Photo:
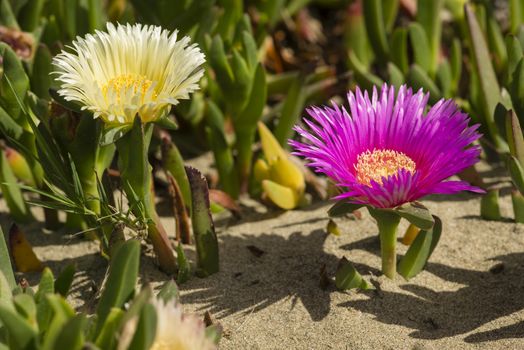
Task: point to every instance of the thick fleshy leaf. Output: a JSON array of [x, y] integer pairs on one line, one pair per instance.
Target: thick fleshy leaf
[[417, 214], [517, 200], [445, 79], [282, 196], [489, 86], [222, 152], [203, 227], [516, 172], [332, 228], [270, 146], [342, 208], [395, 75], [517, 88], [455, 59], [399, 49], [421, 48], [8, 126], [113, 134], [284, 172], [62, 313], [5, 263], [41, 78], [146, 328], [21, 334], [119, 286], [24, 258], [173, 162], [489, 205], [410, 235], [291, 110], [166, 122], [106, 338], [14, 82], [375, 27], [65, 279], [184, 267], [420, 251], [168, 292], [516, 14], [496, 42], [12, 193], [72, 334], [363, 76], [515, 137], [419, 79], [347, 277], [428, 15], [514, 50], [183, 226]]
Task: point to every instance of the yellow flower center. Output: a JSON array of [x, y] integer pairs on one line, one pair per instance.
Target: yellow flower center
[[123, 83], [379, 163]]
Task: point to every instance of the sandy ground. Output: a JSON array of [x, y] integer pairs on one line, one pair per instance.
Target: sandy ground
[[470, 297]]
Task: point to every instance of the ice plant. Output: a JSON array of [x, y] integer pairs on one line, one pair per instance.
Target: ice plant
[[176, 330], [387, 152], [129, 70], [173, 330], [129, 77]]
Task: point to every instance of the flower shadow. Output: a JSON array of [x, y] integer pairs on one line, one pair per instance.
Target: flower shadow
[[279, 268], [483, 297]]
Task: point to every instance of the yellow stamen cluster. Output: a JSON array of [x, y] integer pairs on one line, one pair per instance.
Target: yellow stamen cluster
[[119, 85], [379, 163]]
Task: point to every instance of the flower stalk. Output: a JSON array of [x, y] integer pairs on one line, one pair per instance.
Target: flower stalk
[[135, 172], [387, 222]]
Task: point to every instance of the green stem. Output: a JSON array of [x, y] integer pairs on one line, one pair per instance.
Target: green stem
[[387, 227], [244, 142], [135, 173]]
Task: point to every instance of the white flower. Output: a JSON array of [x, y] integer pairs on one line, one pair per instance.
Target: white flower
[[178, 331], [127, 70]]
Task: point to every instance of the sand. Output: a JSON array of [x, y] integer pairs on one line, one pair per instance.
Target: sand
[[268, 295]]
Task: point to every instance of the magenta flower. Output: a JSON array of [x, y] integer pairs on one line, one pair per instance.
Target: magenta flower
[[387, 151]]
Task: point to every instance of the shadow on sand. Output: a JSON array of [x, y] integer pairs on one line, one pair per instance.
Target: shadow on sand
[[484, 297]]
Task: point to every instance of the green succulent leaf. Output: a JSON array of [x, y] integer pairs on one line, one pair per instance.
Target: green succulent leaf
[[364, 78], [12, 193], [489, 205], [173, 162], [146, 329], [184, 267], [65, 279], [106, 338], [6, 268], [514, 136], [347, 277], [203, 228], [22, 335], [428, 15], [376, 28], [72, 334], [399, 49], [490, 94], [119, 286], [14, 82], [168, 292], [516, 172], [419, 79], [420, 250], [421, 47], [293, 106], [342, 208], [417, 214]]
